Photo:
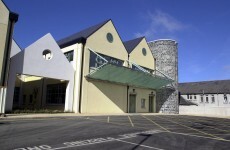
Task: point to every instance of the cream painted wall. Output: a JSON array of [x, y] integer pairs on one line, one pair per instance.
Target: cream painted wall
[[4, 18], [143, 94], [137, 57], [106, 98], [98, 42], [109, 97]]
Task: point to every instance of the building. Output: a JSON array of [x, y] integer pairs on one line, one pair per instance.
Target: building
[[207, 97], [7, 21], [165, 52], [92, 71]]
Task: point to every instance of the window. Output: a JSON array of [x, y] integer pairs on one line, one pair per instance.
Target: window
[[213, 99], [31, 99], [24, 100], [16, 95], [109, 37], [69, 55], [190, 96], [187, 96], [206, 99], [142, 103], [201, 98], [56, 93], [194, 96], [47, 55], [144, 52], [225, 99]]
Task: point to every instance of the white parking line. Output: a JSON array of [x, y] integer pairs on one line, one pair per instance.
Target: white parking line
[[131, 121], [72, 144], [139, 144]]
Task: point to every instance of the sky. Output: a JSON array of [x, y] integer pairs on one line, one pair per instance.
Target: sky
[[201, 27]]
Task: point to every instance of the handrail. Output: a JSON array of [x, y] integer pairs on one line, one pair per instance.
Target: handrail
[[164, 74], [98, 55], [106, 61], [139, 67]]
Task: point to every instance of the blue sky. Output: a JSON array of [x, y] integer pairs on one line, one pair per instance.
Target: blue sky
[[201, 27]]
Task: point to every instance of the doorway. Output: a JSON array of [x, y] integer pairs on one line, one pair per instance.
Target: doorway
[[132, 103], [151, 104]]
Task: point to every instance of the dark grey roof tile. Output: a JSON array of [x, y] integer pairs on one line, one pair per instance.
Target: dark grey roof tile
[[208, 87], [131, 44], [84, 34]]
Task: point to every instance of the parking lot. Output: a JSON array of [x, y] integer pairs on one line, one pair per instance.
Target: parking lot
[[116, 132]]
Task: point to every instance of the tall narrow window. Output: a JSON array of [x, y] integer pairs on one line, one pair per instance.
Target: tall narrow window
[[206, 99], [194, 96], [16, 95], [31, 99], [201, 98], [24, 100], [187, 96], [190, 96], [213, 99], [225, 99]]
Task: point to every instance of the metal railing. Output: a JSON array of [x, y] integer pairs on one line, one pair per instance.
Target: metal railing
[[106, 61]]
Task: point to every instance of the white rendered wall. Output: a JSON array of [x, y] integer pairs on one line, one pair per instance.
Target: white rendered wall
[[218, 108], [31, 62]]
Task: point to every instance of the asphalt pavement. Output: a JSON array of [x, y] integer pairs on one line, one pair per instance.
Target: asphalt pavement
[[128, 132]]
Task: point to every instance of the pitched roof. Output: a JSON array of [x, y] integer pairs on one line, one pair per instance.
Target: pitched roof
[[206, 87], [131, 44], [185, 102], [79, 36]]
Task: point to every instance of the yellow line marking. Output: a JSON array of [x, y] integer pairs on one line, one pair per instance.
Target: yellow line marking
[[217, 139], [202, 124], [207, 121], [156, 124], [131, 121], [192, 128], [108, 119]]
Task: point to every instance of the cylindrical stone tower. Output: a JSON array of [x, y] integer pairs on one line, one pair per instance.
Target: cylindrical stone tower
[[166, 55]]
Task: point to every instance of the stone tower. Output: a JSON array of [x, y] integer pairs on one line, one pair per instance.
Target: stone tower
[[166, 53]]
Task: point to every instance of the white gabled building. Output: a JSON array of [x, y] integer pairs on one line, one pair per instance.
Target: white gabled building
[[206, 97]]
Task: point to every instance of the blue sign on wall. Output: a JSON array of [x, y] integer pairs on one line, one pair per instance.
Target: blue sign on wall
[[96, 61]]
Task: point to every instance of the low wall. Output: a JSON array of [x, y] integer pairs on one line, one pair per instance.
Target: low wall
[[200, 110]]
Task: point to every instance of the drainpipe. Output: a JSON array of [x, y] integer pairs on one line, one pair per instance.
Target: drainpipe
[[83, 41], [13, 18]]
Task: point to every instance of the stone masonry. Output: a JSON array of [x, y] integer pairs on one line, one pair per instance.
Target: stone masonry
[[166, 54]]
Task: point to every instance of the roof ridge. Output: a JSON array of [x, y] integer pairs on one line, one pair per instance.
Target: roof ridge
[[205, 81], [131, 44], [78, 36]]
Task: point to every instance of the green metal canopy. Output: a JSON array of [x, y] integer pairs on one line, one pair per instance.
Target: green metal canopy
[[127, 76]]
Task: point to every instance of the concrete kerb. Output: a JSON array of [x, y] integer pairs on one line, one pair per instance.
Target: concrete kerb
[[62, 115]]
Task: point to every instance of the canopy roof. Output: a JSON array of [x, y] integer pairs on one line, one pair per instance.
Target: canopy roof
[[127, 76]]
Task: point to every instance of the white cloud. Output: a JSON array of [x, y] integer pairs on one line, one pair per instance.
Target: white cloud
[[161, 24], [226, 68]]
